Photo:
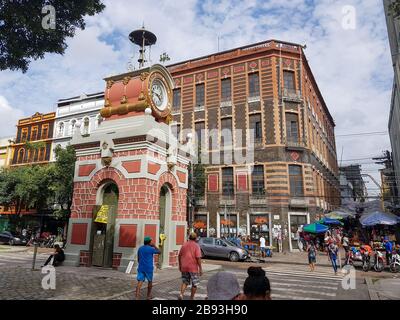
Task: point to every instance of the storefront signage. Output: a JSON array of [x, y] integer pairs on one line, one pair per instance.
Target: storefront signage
[[102, 215]]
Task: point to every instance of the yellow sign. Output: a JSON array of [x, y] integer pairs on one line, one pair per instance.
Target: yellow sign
[[102, 215]]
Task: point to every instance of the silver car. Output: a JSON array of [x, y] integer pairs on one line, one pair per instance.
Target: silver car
[[221, 248]]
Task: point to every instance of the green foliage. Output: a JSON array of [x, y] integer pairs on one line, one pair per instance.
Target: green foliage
[[40, 187], [35, 145], [22, 37], [394, 8]]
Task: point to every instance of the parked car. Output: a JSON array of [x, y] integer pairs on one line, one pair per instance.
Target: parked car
[[10, 238], [221, 248]]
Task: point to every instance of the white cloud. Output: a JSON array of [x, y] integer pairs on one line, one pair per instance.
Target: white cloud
[[8, 118], [352, 67]]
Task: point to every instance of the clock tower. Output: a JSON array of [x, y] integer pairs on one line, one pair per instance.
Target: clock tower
[[131, 173]]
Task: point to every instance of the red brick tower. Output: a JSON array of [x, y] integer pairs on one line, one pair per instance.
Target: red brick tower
[[130, 176]]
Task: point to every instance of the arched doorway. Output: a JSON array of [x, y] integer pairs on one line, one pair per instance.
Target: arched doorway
[[165, 216], [104, 225]]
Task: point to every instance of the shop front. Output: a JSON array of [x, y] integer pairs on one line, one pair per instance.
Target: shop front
[[200, 224], [259, 224], [227, 225], [296, 220]]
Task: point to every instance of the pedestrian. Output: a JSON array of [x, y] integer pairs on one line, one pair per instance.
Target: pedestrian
[[388, 248], [256, 286], [223, 286], [190, 265], [262, 246], [146, 266], [332, 254], [58, 256], [346, 243], [312, 255]]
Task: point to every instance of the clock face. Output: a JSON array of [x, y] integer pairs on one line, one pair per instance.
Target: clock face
[[159, 95]]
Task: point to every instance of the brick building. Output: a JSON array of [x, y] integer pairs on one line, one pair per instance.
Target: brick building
[[268, 92], [34, 140]]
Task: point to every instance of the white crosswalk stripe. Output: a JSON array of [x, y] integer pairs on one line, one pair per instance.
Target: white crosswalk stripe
[[286, 284]]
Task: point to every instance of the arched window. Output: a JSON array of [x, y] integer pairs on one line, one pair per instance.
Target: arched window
[[61, 129], [99, 120], [86, 124], [73, 127], [21, 155]]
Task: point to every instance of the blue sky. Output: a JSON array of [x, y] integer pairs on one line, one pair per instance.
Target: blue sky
[[352, 67]]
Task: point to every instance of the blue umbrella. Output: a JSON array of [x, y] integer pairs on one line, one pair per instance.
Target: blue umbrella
[[315, 228], [377, 217], [329, 221]]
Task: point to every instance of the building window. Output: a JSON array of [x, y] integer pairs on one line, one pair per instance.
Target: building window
[[24, 136], [200, 95], [289, 80], [255, 124], [176, 104], [42, 154], [176, 131], [73, 126], [254, 85], [34, 133], [45, 131], [226, 132], [257, 180], [30, 155], [226, 90], [21, 155], [61, 127], [200, 132], [227, 182], [292, 127], [86, 123], [296, 181]]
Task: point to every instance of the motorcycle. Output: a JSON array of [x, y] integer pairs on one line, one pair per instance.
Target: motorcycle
[[395, 263], [378, 261], [357, 258]]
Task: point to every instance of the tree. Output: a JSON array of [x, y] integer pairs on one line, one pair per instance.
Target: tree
[[63, 183], [23, 37], [394, 8]]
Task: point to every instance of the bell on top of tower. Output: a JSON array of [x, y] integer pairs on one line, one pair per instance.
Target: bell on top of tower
[[143, 38]]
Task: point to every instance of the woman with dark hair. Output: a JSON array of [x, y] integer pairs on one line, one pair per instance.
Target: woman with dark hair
[[256, 286]]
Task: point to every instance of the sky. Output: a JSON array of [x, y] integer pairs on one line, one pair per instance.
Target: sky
[[347, 49]]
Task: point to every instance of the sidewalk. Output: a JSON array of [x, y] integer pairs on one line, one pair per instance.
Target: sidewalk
[[384, 289], [299, 258]]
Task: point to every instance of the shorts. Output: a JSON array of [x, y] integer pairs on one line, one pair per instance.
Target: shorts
[[312, 259], [190, 277], [142, 276]]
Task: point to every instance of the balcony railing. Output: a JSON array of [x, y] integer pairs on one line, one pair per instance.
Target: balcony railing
[[253, 99], [256, 199], [299, 202], [199, 108], [200, 201], [227, 199], [176, 110], [226, 103], [296, 143], [291, 94]]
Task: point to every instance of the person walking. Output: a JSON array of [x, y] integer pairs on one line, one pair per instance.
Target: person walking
[[332, 254], [146, 266], [262, 246], [189, 259], [312, 255], [257, 285], [388, 248]]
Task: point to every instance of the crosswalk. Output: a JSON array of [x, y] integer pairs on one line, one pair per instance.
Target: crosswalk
[[21, 259], [286, 284]]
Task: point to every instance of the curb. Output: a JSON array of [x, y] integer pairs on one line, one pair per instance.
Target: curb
[[373, 295]]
